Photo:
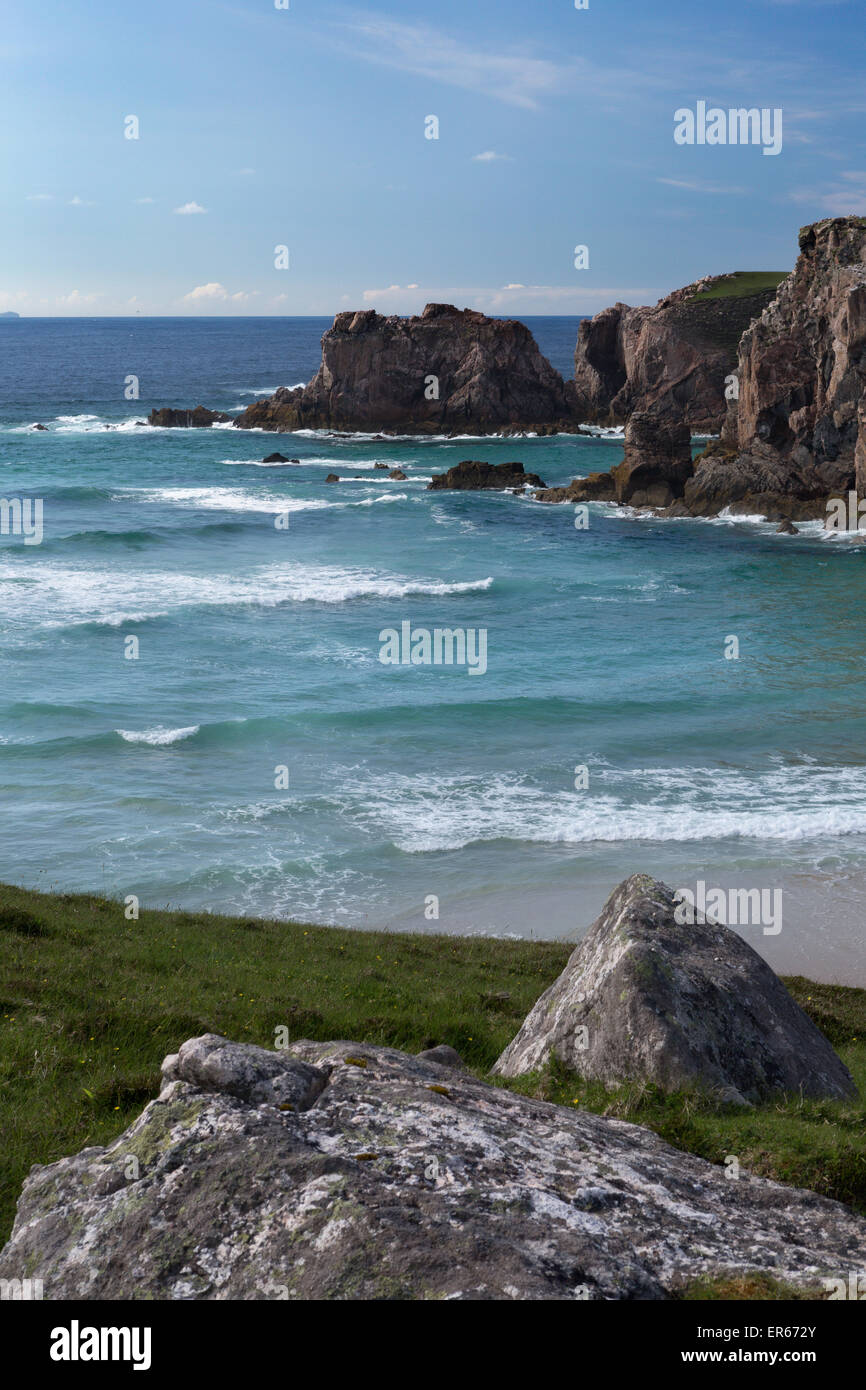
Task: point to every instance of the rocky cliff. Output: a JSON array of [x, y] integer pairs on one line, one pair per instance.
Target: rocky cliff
[[793, 433], [672, 358], [447, 371], [796, 435]]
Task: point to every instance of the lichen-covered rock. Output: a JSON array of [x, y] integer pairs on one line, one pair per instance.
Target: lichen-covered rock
[[446, 370], [644, 997], [403, 1179]]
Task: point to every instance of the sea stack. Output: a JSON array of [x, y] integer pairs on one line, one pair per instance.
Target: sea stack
[[445, 371]]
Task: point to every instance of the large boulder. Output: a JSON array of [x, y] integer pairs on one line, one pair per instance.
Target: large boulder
[[693, 1005], [444, 371], [672, 357], [347, 1171]]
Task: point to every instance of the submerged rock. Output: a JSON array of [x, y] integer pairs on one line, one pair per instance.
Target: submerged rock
[[470, 474], [692, 1005], [347, 1171]]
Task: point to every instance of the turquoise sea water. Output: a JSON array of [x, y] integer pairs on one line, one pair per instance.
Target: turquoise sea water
[[258, 649]]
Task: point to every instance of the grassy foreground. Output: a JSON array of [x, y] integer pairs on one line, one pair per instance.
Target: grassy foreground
[[90, 1003]]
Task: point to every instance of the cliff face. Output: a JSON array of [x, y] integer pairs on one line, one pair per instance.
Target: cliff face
[[445, 371], [672, 358], [798, 433]]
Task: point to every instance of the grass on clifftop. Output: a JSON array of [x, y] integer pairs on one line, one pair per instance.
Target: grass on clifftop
[[744, 282], [90, 1003]]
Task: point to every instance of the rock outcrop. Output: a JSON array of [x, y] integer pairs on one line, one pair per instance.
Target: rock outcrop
[[346, 1171], [798, 431], [447, 371], [653, 472], [646, 998], [473, 475], [671, 358], [198, 418]]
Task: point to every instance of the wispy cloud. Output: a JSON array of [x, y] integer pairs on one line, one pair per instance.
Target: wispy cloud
[[846, 197], [40, 197], [700, 186], [509, 75], [490, 157], [189, 209], [77, 202]]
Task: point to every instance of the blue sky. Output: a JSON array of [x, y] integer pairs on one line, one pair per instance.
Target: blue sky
[[305, 127]]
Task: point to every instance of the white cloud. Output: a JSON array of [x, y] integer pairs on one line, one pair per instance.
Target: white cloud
[[40, 197], [188, 209], [489, 157], [75, 300], [10, 298], [77, 202], [214, 292], [145, 200]]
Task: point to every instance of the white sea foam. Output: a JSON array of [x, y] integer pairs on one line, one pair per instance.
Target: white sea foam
[[158, 737], [239, 499], [34, 594], [441, 812]]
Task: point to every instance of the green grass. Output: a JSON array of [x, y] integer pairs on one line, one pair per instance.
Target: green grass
[[90, 1004], [756, 1287], [744, 282]]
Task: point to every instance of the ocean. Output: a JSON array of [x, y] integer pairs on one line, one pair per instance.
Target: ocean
[[193, 709]]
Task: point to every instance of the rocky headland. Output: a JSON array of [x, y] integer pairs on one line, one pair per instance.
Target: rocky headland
[[672, 357], [794, 428]]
